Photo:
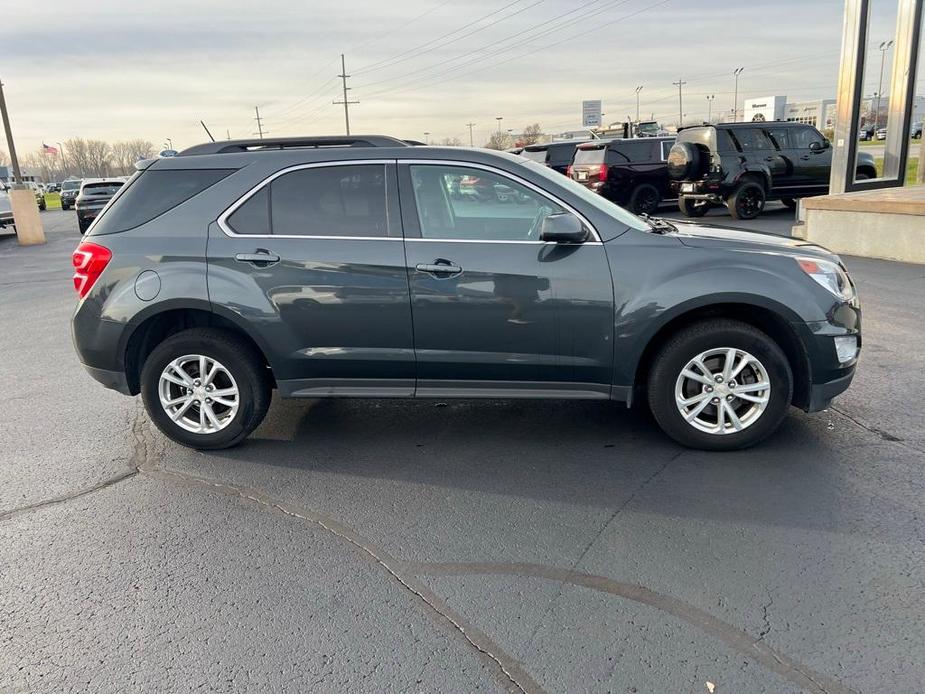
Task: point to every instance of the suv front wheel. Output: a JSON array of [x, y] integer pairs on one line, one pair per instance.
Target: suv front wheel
[[747, 201], [720, 385], [205, 388]]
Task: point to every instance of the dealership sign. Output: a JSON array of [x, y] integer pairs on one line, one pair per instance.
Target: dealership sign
[[591, 114]]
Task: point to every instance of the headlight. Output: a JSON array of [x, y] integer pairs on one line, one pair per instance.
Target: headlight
[[829, 275]]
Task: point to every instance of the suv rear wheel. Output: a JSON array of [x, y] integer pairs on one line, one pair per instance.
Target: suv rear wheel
[[205, 388], [693, 208], [747, 201], [720, 385], [645, 199]]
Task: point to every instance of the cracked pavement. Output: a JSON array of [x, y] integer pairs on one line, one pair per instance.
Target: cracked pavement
[[370, 546]]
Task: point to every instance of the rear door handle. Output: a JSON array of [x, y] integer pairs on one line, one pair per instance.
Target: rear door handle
[[261, 257], [439, 268]]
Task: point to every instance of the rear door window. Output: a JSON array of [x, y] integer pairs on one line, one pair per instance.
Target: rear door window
[[781, 137]]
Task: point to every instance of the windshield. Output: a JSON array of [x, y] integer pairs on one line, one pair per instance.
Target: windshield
[[538, 155], [601, 203], [589, 155], [70, 185]]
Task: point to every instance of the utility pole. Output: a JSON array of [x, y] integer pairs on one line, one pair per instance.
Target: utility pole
[[884, 47], [343, 76], [470, 126], [710, 107], [426, 137], [17, 174], [26, 218], [499, 119], [735, 99], [680, 83], [638, 89], [260, 131]]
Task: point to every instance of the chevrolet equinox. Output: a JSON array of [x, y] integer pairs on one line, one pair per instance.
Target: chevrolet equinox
[[365, 267]]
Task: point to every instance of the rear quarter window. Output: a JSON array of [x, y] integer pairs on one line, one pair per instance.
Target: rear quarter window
[[633, 151], [152, 193], [535, 155]]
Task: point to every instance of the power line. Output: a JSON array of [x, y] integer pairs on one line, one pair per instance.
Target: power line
[[343, 75]]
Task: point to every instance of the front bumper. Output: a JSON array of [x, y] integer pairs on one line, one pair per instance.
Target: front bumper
[[822, 394]]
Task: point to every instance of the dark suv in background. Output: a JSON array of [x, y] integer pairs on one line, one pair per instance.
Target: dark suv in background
[[302, 265], [742, 165], [556, 155], [630, 172], [95, 194], [69, 192]]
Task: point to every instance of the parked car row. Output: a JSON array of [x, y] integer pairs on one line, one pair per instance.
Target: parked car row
[[739, 165]]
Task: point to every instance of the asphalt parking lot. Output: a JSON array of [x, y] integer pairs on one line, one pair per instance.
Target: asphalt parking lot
[[380, 546]]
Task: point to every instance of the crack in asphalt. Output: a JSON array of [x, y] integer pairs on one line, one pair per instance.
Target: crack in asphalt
[[597, 536], [880, 433], [510, 673], [735, 638], [764, 617]]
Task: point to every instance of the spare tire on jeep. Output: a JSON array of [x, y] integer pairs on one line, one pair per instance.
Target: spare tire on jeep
[[685, 161]]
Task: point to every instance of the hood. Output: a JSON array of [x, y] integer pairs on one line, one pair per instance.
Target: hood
[[707, 236]]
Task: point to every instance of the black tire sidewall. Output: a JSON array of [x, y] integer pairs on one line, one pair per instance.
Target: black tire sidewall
[[239, 364], [686, 345], [641, 191], [733, 201]]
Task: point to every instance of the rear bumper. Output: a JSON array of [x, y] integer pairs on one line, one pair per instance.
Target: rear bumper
[[114, 380]]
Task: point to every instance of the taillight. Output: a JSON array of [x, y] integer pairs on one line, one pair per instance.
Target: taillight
[[568, 170], [602, 173], [89, 260]]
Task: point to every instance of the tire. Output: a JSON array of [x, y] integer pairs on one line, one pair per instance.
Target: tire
[[244, 368], [719, 334], [65, 208], [790, 202], [685, 161], [645, 199], [747, 201], [693, 208]]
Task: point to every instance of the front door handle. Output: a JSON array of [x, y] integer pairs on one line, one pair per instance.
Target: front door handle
[[439, 267], [261, 258]]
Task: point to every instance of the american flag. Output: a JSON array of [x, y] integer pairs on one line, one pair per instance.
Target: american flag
[[49, 150]]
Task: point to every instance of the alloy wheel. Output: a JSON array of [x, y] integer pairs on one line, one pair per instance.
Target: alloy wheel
[[198, 394], [722, 391]]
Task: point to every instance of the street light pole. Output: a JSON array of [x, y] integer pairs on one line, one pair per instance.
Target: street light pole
[[884, 47], [470, 125], [638, 89], [426, 137], [735, 99], [710, 107], [499, 119], [680, 83]]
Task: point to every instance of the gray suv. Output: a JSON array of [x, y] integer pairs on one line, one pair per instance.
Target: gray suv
[[363, 267]]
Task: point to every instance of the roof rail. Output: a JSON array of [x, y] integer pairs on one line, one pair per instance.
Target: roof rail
[[269, 143]]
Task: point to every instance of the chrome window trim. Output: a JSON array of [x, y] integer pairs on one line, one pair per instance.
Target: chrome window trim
[[504, 174], [223, 217], [222, 220]]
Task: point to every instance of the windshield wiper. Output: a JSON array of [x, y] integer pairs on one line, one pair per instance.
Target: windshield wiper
[[658, 225]]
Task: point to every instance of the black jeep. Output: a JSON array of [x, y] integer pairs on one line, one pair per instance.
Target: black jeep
[[742, 165]]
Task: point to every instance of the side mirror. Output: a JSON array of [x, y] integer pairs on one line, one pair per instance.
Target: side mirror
[[818, 146], [563, 227]]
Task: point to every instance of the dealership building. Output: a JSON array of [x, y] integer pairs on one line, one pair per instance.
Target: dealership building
[[819, 113]]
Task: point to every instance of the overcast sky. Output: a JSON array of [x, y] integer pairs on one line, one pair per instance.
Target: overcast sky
[[118, 69]]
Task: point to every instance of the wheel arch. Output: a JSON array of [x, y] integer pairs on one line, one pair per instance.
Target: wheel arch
[[774, 320], [152, 327], [759, 175]]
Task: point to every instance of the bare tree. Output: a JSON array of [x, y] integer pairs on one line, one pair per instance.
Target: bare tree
[[98, 155], [122, 160], [78, 159], [532, 134], [499, 141], [451, 142], [140, 149]]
